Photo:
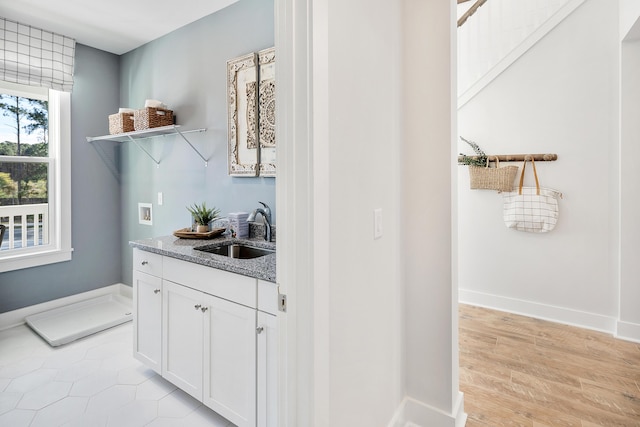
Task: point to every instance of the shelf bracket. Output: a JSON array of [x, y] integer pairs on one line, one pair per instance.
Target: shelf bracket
[[206, 161], [157, 162]]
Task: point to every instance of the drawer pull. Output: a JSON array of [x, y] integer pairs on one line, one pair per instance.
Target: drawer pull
[[197, 306], [145, 262], [204, 309], [259, 329], [156, 291]]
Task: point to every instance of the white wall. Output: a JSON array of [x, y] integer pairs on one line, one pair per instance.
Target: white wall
[[629, 320], [629, 15], [428, 215], [361, 320], [560, 97], [356, 142]]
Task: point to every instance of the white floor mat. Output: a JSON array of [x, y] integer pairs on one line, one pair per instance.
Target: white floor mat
[[69, 323]]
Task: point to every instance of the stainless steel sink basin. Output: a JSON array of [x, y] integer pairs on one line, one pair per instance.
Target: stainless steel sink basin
[[231, 250]]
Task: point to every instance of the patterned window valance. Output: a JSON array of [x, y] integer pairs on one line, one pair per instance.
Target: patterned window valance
[[35, 57]]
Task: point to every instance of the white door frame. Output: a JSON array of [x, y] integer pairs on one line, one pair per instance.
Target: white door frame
[[294, 200]]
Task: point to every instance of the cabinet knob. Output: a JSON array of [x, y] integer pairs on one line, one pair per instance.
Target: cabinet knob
[[156, 291], [259, 329], [145, 262], [197, 306], [204, 309]]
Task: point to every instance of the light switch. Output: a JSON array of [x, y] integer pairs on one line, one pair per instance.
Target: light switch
[[377, 223], [160, 198]]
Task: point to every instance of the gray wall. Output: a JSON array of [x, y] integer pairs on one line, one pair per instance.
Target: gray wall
[[187, 70], [95, 196]]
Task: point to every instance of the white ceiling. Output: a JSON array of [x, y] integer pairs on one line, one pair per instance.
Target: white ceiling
[[116, 26]]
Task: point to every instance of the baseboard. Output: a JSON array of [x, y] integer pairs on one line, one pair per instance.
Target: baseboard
[[628, 331], [413, 413], [16, 317], [556, 314]]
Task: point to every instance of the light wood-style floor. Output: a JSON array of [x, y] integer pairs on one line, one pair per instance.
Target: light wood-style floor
[[519, 371]]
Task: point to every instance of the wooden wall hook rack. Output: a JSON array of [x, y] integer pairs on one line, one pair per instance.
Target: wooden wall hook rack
[[519, 157]]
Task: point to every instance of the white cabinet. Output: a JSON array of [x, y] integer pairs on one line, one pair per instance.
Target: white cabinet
[[210, 332], [147, 313], [267, 370], [230, 361], [182, 337], [209, 351]]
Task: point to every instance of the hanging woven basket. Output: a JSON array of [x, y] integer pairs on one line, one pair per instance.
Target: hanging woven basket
[[487, 178]]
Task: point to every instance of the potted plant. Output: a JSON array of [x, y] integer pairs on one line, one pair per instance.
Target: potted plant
[[202, 215]]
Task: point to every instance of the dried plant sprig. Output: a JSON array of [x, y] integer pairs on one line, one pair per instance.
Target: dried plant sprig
[[480, 159]]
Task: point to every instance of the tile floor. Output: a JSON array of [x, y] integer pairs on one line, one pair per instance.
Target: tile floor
[[92, 382]]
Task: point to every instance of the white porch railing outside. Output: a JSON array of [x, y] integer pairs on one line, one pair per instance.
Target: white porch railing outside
[[27, 225]]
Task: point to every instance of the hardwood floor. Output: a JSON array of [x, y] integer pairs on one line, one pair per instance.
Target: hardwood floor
[[519, 371]]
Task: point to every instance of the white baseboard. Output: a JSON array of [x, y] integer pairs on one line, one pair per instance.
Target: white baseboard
[[596, 322], [413, 413], [628, 331], [16, 317]]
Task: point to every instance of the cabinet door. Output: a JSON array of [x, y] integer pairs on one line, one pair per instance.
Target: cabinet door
[[147, 319], [267, 370], [230, 361], [182, 334]]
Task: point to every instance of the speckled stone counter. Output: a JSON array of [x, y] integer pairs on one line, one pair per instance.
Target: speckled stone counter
[[261, 268]]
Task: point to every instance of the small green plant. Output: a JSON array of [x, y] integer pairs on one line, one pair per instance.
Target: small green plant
[[480, 159], [203, 215]]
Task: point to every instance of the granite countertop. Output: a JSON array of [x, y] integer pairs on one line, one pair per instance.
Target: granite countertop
[[263, 268]]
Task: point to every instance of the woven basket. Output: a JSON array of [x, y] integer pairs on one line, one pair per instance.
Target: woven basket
[[152, 118], [486, 178], [120, 122]]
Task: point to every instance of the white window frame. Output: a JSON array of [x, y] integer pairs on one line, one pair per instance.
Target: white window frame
[[59, 247]]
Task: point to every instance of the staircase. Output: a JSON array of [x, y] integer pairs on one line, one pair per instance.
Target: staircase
[[497, 33]]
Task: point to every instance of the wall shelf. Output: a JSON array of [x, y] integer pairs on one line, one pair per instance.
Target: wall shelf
[[139, 135], [518, 157]]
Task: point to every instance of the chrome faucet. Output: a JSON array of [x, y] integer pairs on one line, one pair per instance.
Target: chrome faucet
[[266, 219]]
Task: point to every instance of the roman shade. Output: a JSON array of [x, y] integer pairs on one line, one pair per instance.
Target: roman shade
[[35, 57]]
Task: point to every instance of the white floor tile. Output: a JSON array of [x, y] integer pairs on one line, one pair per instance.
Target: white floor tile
[[8, 401], [87, 421], [78, 371], [60, 412], [205, 417], [135, 414], [31, 380], [135, 375], [94, 383], [21, 367], [17, 418], [65, 357], [111, 400], [44, 395], [154, 388], [177, 405]]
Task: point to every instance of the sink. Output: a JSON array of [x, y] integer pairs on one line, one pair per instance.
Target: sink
[[239, 251]]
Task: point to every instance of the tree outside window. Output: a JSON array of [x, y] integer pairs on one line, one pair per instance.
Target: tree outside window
[[24, 130]]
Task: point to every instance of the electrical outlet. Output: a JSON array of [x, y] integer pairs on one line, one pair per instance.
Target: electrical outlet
[[160, 198], [377, 223]]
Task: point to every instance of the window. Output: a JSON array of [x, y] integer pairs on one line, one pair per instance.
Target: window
[[35, 202]]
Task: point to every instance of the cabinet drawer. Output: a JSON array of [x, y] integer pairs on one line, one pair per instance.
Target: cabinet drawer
[[219, 283], [147, 262], [267, 297]]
